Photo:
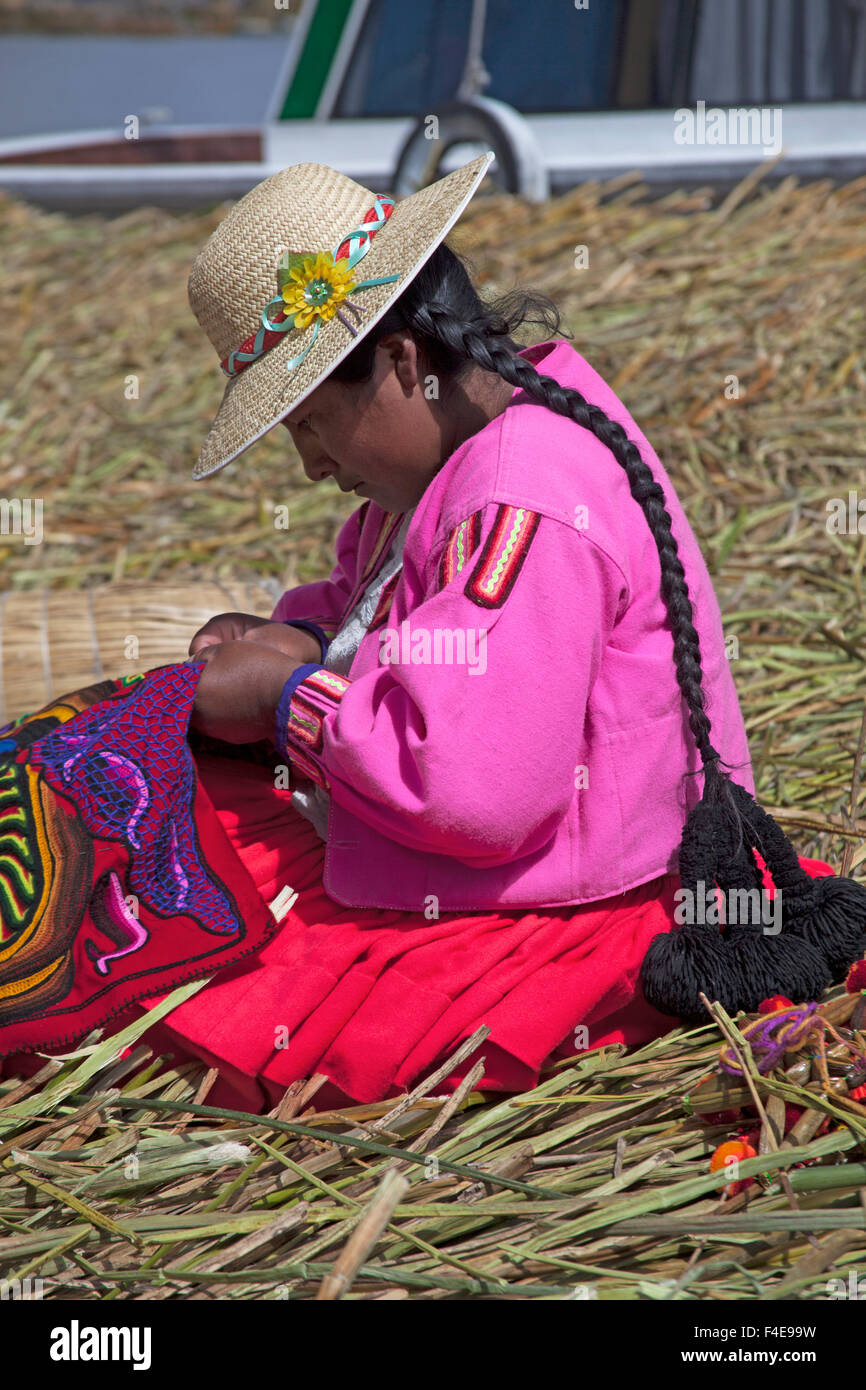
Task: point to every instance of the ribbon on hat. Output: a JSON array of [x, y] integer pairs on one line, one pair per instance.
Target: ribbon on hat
[[313, 287]]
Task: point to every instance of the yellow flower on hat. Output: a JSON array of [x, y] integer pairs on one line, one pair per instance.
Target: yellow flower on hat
[[316, 288]]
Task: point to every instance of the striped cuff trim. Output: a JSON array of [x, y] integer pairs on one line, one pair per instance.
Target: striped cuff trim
[[310, 693]]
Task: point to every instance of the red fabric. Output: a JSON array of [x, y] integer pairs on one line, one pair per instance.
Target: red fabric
[[378, 999]]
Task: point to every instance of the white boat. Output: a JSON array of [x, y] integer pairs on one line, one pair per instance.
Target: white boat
[[395, 94]]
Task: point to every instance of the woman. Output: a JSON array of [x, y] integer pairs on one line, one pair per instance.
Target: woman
[[493, 718]]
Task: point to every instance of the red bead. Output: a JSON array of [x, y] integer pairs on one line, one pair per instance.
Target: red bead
[[775, 1001], [856, 977]]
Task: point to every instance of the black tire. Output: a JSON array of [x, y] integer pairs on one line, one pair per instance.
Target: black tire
[[420, 161]]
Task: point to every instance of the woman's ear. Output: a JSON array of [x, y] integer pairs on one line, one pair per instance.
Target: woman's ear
[[404, 361]]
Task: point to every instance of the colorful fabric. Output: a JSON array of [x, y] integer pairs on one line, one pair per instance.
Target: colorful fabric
[[116, 877], [537, 751]]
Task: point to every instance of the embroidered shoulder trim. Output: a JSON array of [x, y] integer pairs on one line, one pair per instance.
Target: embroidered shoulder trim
[[459, 547], [502, 556]]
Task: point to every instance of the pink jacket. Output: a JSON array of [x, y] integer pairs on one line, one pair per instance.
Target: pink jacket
[[511, 731]]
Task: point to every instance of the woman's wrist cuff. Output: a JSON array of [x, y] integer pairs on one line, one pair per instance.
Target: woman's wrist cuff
[[284, 703]]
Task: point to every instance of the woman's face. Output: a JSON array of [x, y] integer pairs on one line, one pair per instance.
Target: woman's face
[[378, 438], [386, 438]]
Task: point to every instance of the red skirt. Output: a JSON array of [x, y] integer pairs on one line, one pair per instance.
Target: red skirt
[[377, 1000]]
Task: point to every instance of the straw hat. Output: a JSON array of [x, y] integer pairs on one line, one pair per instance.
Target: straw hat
[[282, 309]]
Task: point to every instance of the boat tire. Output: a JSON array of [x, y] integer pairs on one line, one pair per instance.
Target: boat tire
[[493, 125]]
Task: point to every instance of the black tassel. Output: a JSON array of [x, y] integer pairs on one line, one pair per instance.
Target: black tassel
[[823, 921], [834, 922], [681, 964], [738, 970], [828, 912], [711, 838], [767, 965]]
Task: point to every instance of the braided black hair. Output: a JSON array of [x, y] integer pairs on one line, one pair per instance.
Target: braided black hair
[[823, 920]]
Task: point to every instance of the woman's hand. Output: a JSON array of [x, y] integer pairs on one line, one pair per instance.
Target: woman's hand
[[239, 690], [225, 627], [295, 642]]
